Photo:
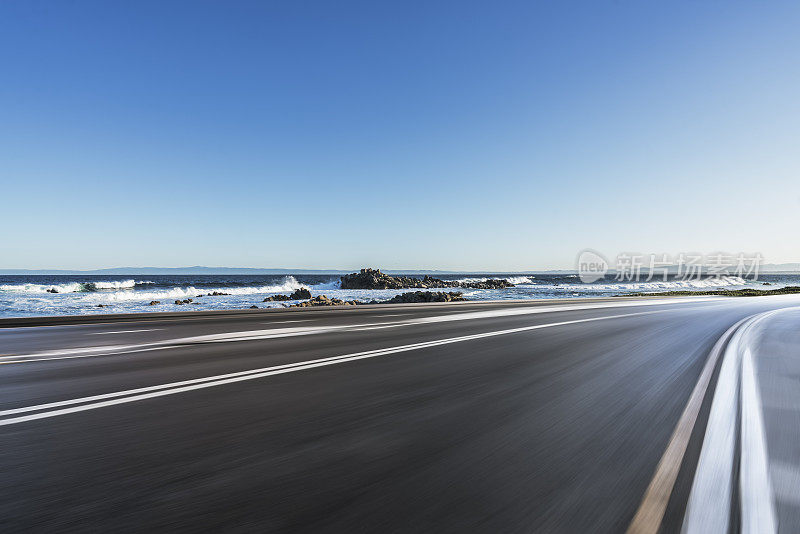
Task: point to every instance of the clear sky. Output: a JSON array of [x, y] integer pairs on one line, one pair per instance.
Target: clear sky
[[450, 135]]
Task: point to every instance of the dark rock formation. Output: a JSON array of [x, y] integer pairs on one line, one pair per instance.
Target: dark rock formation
[[52, 290], [253, 307], [322, 300], [187, 301], [300, 294], [102, 305], [414, 296], [492, 283], [217, 294], [154, 302], [425, 296], [277, 298], [375, 279]]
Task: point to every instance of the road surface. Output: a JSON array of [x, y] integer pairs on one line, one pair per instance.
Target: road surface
[[567, 416]]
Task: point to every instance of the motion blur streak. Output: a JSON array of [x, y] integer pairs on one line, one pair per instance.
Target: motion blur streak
[[736, 409], [650, 513], [558, 424], [211, 381]]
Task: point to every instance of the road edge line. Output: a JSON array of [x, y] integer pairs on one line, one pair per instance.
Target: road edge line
[[650, 513], [757, 504]]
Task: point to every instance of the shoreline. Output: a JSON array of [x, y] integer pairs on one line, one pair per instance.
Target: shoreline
[[47, 301], [70, 320], [748, 292]]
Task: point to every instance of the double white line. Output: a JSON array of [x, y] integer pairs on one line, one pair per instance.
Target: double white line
[[54, 409], [709, 507]]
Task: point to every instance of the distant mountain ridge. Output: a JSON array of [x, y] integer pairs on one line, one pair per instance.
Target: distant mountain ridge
[[202, 270], [166, 271]]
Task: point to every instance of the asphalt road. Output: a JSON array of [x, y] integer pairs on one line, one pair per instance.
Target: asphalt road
[[478, 417]]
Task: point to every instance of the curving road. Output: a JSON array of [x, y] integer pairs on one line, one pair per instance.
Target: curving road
[[561, 416]]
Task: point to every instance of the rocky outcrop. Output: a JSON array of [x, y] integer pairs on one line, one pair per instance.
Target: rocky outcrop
[[298, 294], [277, 298], [322, 300], [217, 294], [52, 290], [375, 279], [154, 302], [186, 301], [491, 283], [253, 307], [425, 296], [402, 298]]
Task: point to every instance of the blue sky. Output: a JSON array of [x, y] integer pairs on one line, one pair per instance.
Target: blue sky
[[458, 135]]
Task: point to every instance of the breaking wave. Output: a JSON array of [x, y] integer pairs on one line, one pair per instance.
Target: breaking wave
[[131, 290], [288, 284], [516, 280], [84, 295], [659, 285], [72, 287]]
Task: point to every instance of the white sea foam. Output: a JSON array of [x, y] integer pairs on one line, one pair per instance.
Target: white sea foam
[[124, 284], [516, 280], [475, 279], [132, 296], [331, 284], [289, 283], [70, 287], [119, 296], [521, 280], [657, 285]]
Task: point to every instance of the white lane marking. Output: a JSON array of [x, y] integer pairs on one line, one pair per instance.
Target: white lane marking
[[549, 309], [124, 331], [128, 351], [378, 327], [390, 315], [654, 503], [708, 510], [249, 335], [292, 321], [134, 395], [758, 514], [309, 330], [709, 506], [107, 350]]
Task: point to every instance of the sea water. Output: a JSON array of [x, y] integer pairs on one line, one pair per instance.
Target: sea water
[[31, 295]]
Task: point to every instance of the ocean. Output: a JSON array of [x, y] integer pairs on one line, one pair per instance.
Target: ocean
[[31, 295]]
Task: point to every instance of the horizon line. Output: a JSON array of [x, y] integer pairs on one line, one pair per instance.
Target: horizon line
[[128, 270]]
